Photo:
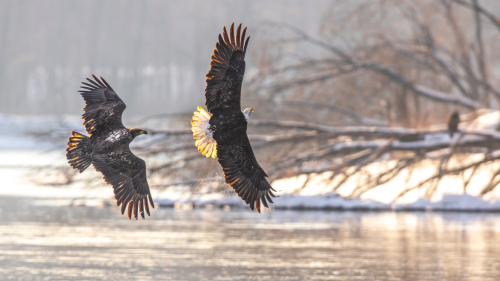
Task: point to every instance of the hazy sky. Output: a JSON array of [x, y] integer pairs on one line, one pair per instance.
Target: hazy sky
[[154, 53]]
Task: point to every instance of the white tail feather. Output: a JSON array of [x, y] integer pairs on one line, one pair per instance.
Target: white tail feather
[[201, 133]]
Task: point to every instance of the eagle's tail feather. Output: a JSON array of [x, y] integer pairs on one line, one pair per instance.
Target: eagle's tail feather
[[79, 152], [201, 133]]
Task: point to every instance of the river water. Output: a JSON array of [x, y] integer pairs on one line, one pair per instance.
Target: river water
[[39, 241]]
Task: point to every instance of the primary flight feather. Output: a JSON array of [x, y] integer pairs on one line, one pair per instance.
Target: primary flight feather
[[107, 148], [221, 132]]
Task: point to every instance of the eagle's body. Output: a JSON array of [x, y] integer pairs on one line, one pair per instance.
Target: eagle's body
[[108, 150], [221, 132], [453, 121], [228, 125]]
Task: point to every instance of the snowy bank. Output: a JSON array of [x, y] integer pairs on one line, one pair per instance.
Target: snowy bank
[[292, 193], [22, 150]]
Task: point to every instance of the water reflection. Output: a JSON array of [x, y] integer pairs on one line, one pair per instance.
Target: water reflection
[[61, 243]]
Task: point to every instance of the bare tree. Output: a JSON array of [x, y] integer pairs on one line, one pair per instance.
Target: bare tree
[[374, 86], [383, 63]]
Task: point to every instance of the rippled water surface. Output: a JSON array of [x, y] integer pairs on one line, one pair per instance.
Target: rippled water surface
[[39, 242]]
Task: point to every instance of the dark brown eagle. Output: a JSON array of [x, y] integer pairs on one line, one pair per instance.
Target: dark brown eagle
[[453, 121], [107, 148], [221, 132]]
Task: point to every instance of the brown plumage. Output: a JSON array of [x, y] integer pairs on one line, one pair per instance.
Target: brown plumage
[[107, 148], [453, 121], [227, 124]]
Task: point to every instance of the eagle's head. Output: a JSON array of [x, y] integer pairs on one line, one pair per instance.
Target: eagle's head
[[247, 113], [136, 132]]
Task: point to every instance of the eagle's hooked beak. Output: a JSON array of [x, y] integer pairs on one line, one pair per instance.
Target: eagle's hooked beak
[[252, 110]]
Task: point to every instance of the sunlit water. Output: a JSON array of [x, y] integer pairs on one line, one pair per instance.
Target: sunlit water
[[39, 242]]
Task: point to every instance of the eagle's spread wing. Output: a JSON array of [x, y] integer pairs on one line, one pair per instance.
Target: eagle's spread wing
[[127, 174], [244, 174], [103, 106], [226, 72]]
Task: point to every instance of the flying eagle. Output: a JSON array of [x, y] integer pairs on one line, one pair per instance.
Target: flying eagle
[[107, 148], [453, 121], [221, 132]]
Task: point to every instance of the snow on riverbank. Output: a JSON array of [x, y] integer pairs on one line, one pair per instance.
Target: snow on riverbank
[[21, 132], [18, 181], [22, 153], [321, 199]]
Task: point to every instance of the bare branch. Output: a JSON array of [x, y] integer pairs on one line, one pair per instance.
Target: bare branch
[[346, 112], [450, 171], [494, 20], [479, 42], [440, 96]]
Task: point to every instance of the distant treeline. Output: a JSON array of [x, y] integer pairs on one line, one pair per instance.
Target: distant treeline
[[155, 52]]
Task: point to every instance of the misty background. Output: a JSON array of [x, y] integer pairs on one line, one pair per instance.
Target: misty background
[[155, 54]]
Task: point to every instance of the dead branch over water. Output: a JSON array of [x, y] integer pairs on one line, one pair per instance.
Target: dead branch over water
[[375, 85]]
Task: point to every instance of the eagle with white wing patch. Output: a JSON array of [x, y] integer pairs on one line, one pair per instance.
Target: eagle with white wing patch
[[221, 132]]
